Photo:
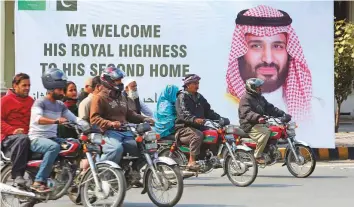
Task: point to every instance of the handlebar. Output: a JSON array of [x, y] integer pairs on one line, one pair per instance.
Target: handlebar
[[140, 128], [216, 124], [278, 120]]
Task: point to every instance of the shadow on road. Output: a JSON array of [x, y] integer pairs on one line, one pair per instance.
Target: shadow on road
[[201, 178], [290, 176], [179, 205], [231, 185], [272, 185]]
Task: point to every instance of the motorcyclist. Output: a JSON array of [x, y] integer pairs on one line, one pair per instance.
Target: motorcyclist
[[252, 109], [15, 117], [192, 110], [109, 110], [134, 101], [46, 113]]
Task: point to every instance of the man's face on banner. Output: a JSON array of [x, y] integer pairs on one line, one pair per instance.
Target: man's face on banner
[[266, 59]]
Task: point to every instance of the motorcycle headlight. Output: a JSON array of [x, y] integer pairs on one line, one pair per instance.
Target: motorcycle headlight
[[292, 126], [150, 136], [230, 129]]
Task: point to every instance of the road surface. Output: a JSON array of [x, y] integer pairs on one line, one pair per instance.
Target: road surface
[[332, 184]]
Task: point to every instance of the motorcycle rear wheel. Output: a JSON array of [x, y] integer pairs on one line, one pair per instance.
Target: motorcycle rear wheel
[[289, 155], [5, 172]]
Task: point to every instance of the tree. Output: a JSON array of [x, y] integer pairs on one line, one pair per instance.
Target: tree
[[343, 63]]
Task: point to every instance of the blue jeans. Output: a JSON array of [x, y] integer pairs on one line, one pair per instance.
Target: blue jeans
[[116, 143], [50, 149]]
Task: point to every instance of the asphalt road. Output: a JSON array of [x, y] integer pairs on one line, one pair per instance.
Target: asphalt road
[[332, 184]]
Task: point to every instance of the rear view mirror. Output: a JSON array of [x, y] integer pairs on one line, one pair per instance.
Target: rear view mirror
[[142, 128], [224, 121]]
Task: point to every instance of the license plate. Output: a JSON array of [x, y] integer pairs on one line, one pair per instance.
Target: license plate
[[149, 146]]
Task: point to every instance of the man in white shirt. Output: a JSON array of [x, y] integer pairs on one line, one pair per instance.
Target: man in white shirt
[[136, 104], [84, 107]]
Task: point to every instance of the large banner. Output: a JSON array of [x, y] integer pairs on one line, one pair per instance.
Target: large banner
[[287, 44]]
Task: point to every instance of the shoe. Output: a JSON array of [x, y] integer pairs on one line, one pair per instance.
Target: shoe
[[136, 177], [19, 180]]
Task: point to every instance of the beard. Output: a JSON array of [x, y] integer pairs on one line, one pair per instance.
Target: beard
[[133, 94], [57, 96], [271, 83]]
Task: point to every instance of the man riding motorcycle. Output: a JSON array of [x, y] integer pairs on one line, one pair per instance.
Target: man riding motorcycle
[[192, 108], [15, 117], [109, 110], [46, 113], [252, 109]]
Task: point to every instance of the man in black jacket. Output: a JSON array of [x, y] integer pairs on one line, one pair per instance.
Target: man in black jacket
[[252, 109], [192, 108]]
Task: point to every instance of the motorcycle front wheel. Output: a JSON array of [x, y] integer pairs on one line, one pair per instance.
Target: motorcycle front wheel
[[111, 178], [306, 155], [171, 177], [247, 163]]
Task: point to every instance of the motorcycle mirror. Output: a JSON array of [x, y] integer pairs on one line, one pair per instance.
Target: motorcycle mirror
[[224, 121], [142, 128]]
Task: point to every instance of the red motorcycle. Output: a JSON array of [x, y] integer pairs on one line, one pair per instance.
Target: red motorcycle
[[219, 142], [297, 152], [63, 174]]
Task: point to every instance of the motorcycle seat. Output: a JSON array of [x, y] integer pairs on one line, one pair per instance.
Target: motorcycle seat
[[36, 156], [241, 133], [168, 139]]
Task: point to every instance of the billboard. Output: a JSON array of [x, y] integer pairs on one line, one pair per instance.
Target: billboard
[[288, 44]]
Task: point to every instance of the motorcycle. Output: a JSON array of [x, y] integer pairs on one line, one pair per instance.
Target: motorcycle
[[282, 133], [158, 171], [63, 173], [219, 149]]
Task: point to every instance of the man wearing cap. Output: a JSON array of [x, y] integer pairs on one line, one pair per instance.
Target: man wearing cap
[[192, 110], [134, 102], [265, 46]]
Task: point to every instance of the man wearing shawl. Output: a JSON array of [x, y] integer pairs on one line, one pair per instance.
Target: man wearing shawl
[[265, 46]]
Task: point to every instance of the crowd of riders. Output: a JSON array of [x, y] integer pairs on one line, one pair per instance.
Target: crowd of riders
[[107, 102]]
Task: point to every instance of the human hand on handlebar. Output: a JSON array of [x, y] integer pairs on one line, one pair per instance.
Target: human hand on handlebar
[[261, 120], [61, 120], [115, 124], [150, 120], [286, 118], [199, 121]]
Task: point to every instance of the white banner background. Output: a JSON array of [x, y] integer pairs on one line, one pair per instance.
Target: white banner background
[[205, 27]]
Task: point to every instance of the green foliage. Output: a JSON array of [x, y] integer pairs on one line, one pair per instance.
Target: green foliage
[[343, 60]]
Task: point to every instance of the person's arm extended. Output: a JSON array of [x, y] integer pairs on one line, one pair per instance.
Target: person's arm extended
[[37, 114], [145, 109]]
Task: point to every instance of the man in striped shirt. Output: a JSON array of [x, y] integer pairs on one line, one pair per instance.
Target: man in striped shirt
[[46, 114]]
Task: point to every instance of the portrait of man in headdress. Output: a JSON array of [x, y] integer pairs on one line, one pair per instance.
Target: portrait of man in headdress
[[265, 46]]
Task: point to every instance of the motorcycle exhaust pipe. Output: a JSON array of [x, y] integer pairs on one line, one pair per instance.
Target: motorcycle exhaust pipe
[[8, 189]]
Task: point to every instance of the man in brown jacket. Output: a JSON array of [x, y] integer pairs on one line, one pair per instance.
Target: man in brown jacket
[[109, 110]]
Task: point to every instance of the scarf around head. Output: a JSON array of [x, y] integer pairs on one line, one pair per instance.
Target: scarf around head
[[298, 87]]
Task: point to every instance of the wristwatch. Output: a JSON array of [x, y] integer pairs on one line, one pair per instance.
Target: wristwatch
[[56, 121]]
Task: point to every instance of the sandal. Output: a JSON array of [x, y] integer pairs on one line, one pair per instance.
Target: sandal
[[40, 187], [193, 167]]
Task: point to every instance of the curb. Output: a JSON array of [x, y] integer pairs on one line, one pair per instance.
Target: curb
[[338, 153]]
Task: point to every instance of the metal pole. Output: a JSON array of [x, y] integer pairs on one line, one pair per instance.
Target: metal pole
[[2, 46]]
